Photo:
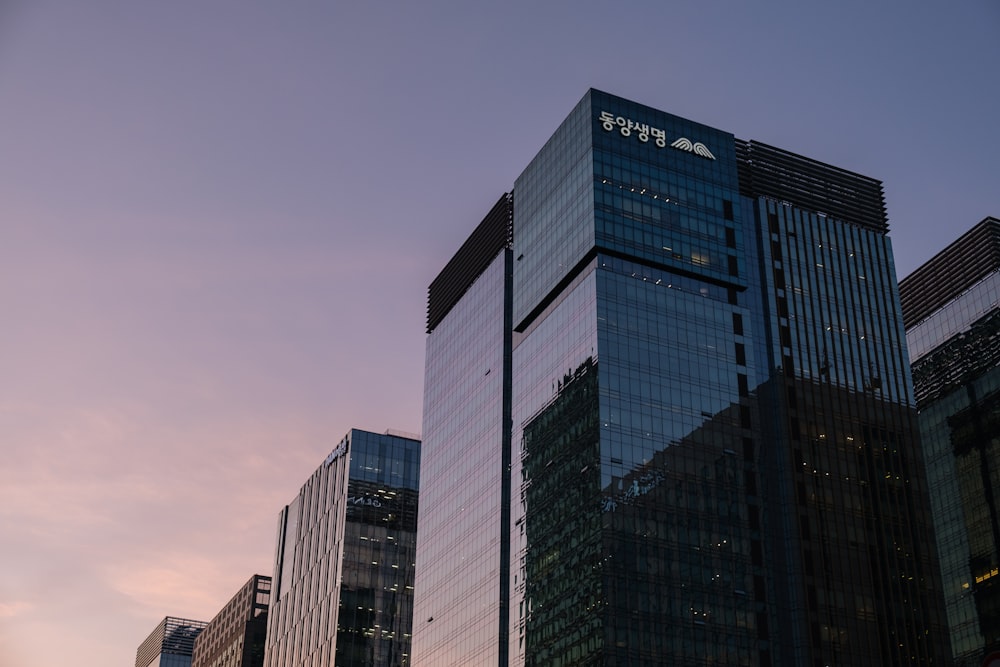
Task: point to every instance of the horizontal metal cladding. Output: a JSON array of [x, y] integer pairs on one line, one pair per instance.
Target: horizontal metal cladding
[[173, 636], [151, 646], [492, 235], [766, 171], [180, 634], [944, 277]]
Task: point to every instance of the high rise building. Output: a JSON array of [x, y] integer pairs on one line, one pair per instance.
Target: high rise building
[[170, 644], [235, 637], [668, 417], [343, 572], [951, 308]]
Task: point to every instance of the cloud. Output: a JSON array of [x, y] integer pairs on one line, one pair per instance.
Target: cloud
[[124, 512], [12, 609], [178, 582]]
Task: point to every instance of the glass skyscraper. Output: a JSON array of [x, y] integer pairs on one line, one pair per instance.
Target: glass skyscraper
[[951, 307], [668, 416], [343, 574], [465, 495]]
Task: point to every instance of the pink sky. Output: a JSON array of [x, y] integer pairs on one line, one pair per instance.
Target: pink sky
[[218, 221]]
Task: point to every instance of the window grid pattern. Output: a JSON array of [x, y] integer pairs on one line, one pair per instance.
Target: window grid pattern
[[172, 642], [345, 556], [648, 484], [560, 343], [856, 538], [457, 613], [554, 210], [712, 429], [956, 371], [235, 637], [955, 317]]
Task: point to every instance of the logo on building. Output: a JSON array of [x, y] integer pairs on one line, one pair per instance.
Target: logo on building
[[697, 147], [364, 500], [337, 452], [626, 127]]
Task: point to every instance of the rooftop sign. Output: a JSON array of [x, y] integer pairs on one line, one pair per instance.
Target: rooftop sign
[[643, 131], [337, 452]]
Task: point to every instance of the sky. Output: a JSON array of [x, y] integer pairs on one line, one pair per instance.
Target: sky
[[218, 221]]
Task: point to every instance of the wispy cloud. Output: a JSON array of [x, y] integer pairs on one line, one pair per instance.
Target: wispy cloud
[[11, 609]]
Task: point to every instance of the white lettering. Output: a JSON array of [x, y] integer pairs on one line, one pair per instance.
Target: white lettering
[[337, 452], [627, 126], [364, 500]]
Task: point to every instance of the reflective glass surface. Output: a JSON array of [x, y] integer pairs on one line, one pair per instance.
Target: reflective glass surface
[[957, 380], [833, 290], [552, 208], [954, 317], [458, 609], [171, 643], [846, 500], [713, 456], [346, 557], [628, 435]]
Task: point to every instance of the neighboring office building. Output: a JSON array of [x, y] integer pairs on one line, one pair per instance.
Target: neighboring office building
[[463, 553], [170, 644], [235, 637], [668, 416], [343, 573], [951, 307]]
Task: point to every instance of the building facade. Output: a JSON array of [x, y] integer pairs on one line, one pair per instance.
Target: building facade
[[951, 307], [668, 416], [343, 574], [467, 411], [170, 644], [235, 637]]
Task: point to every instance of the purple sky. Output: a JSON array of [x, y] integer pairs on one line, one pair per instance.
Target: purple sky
[[218, 221]]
